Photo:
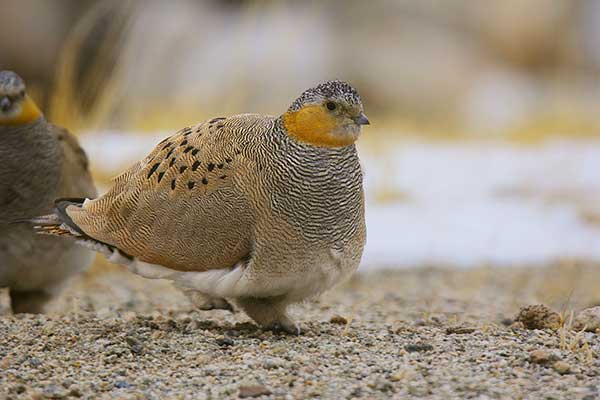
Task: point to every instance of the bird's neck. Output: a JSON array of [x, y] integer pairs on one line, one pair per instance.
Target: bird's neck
[[27, 140], [29, 113], [31, 159], [314, 126], [23, 132]]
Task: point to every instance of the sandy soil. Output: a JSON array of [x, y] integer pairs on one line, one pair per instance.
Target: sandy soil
[[431, 333]]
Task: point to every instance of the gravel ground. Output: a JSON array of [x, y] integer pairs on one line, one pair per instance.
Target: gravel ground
[[431, 333]]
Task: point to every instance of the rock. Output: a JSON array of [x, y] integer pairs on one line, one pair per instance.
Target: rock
[[538, 316], [122, 385], [225, 341], [383, 386], [402, 375], [67, 383], [135, 345], [561, 367], [542, 357], [54, 392], [6, 362], [338, 319], [18, 389], [414, 347], [517, 325], [459, 330], [253, 391], [588, 319], [274, 363], [34, 362]]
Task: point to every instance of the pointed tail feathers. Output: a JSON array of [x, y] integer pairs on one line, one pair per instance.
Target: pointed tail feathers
[[59, 223]]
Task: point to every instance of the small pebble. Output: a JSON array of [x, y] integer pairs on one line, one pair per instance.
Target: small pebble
[[338, 320], [588, 319], [273, 363], [402, 375], [384, 356], [253, 391], [225, 341], [34, 362], [459, 330], [122, 385], [542, 356], [561, 367], [135, 344], [418, 347], [54, 392]]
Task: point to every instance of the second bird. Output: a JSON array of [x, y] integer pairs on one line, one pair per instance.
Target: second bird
[[38, 162], [265, 211]]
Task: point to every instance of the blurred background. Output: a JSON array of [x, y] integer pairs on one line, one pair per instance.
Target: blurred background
[[483, 145]]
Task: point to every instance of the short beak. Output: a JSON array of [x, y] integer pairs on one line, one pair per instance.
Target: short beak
[[362, 119], [5, 104]]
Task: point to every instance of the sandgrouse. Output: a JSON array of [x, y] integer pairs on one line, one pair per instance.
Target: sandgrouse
[[38, 163], [265, 211]]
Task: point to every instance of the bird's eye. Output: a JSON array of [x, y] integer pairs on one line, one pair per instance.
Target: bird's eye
[[330, 105], [22, 93]]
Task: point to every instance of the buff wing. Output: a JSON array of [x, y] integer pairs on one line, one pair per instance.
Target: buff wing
[[75, 178], [183, 206]]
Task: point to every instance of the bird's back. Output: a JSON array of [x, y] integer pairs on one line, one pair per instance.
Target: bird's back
[[184, 206]]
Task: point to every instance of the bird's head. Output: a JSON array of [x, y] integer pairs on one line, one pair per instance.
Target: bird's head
[[328, 115], [16, 107]]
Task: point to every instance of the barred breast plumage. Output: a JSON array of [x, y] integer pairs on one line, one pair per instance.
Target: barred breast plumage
[[262, 210]]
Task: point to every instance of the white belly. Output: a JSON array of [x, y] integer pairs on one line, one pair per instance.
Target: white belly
[[246, 280]]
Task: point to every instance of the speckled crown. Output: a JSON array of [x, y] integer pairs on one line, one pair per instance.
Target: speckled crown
[[330, 89], [11, 83]]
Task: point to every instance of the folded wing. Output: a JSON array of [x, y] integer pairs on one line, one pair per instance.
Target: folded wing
[[183, 206]]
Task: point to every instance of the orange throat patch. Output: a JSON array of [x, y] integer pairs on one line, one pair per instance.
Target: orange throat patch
[[314, 125], [29, 113]]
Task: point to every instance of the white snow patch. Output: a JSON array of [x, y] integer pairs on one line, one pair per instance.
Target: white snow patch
[[466, 204]]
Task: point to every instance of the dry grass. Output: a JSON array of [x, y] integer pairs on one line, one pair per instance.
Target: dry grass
[[90, 90], [574, 341], [89, 78]]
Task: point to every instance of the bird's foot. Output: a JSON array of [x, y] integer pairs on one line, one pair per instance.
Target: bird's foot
[[29, 301], [215, 303], [206, 303], [270, 313], [284, 326]]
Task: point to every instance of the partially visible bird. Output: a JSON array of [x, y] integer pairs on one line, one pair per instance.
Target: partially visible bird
[[265, 211], [38, 163]]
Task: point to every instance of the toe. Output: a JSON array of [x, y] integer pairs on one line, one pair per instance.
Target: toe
[[288, 327], [222, 304]]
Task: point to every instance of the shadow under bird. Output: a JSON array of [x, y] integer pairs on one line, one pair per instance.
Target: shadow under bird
[[263, 211], [38, 163]]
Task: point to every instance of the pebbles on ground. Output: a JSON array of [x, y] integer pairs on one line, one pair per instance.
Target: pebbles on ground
[[415, 333]]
